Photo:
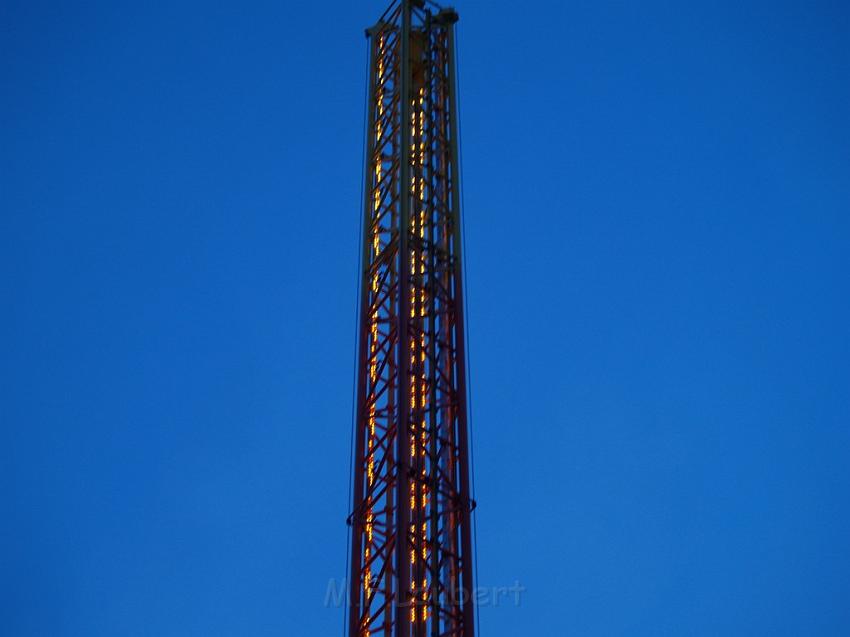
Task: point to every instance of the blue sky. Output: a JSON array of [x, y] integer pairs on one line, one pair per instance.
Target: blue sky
[[658, 245]]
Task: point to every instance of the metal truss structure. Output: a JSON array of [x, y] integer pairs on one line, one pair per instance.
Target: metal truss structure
[[411, 561]]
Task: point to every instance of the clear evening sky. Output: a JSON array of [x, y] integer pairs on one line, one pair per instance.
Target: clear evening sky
[[657, 198]]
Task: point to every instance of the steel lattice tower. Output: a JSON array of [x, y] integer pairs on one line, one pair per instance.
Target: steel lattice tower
[[411, 560]]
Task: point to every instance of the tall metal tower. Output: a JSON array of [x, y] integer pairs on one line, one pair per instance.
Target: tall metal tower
[[411, 560]]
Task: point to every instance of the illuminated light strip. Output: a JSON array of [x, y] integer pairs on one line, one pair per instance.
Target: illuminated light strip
[[425, 599], [373, 346], [417, 130], [423, 384], [413, 357]]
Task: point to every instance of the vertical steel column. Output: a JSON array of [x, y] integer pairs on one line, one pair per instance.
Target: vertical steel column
[[451, 567], [355, 584], [468, 594], [403, 597], [433, 452]]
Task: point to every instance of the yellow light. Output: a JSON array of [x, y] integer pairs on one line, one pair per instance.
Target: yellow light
[[424, 599], [367, 575]]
